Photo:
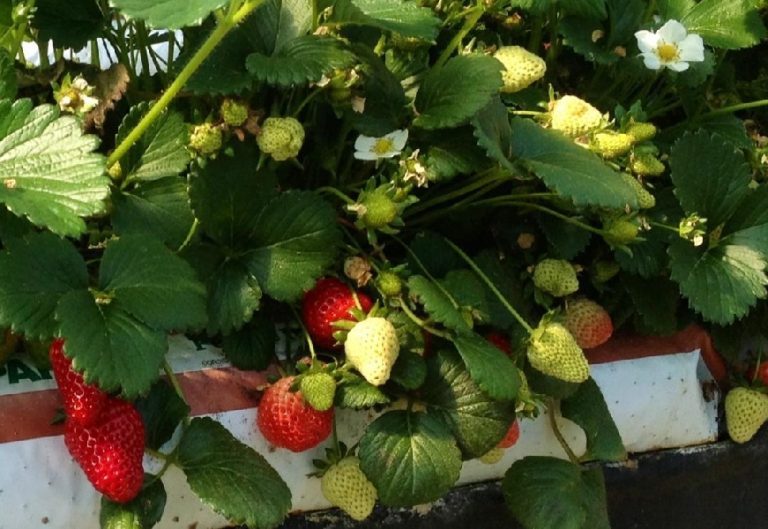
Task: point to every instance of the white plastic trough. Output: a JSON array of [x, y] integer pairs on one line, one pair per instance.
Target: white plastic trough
[[661, 395]]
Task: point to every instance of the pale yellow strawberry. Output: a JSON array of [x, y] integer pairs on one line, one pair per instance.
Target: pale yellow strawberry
[[746, 410], [641, 131], [521, 68], [609, 145], [574, 117], [645, 200], [646, 165], [281, 138], [556, 277], [346, 487], [372, 348], [553, 351]]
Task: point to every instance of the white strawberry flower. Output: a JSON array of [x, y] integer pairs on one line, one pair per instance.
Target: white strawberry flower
[[671, 46], [388, 146]]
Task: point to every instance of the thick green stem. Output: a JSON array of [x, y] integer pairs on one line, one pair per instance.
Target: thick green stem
[[558, 434], [736, 108], [491, 286], [234, 17], [473, 16], [173, 380]]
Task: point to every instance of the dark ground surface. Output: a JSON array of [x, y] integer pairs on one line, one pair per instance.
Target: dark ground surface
[[716, 486]]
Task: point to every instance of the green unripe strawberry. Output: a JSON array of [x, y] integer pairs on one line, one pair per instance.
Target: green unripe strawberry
[[521, 67], [746, 410], [604, 271], [645, 200], [574, 117], [619, 232], [346, 487], [372, 348], [378, 209], [646, 165], [206, 139], [641, 131], [234, 113], [610, 145], [318, 390], [556, 277], [554, 352], [389, 283], [281, 138]]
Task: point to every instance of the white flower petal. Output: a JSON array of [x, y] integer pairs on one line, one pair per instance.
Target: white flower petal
[[679, 66], [646, 41], [366, 155], [651, 60], [398, 137], [365, 143], [672, 32], [692, 49]]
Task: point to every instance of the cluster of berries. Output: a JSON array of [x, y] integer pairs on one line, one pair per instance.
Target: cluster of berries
[[104, 434]]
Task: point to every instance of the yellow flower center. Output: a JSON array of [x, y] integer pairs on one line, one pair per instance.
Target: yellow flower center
[[668, 52], [383, 146]]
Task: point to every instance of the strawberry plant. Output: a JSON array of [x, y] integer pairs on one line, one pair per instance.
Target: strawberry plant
[[428, 210]]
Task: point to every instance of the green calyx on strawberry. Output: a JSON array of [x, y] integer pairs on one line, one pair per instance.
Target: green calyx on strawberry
[[206, 139], [380, 209], [372, 347], [555, 277], [328, 302], [746, 410], [83, 402], [553, 351], [286, 420], [110, 450], [233, 113], [588, 322]]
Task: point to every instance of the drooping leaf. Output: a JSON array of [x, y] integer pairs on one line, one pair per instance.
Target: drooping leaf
[[489, 367], [587, 408], [405, 17], [7, 76], [549, 493], [152, 283], [172, 14], [142, 512], [39, 269], [48, 170], [162, 410], [572, 171], [159, 208], [729, 24], [450, 95], [437, 302], [253, 346], [710, 176], [477, 421], [494, 133], [410, 458], [68, 24], [232, 478], [161, 150], [301, 61]]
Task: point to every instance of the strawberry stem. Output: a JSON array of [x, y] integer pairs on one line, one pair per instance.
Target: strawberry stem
[[304, 331], [491, 286], [421, 323], [174, 381], [558, 433]]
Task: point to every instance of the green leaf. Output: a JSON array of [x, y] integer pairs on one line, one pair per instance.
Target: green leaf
[[114, 349], [301, 61], [152, 283], [43, 268], [281, 21], [549, 493], [159, 209], [451, 153], [385, 101], [8, 85], [228, 194], [405, 17], [296, 240], [433, 253], [493, 132], [12, 226], [171, 14], [409, 370], [142, 512], [450, 95], [505, 275], [572, 171], [437, 302], [566, 241], [587, 408], [594, 9], [729, 24], [730, 127], [477, 421], [162, 410], [161, 150], [721, 283], [253, 346], [470, 293], [655, 301], [48, 171], [68, 24], [675, 9], [546, 385], [231, 477], [410, 458], [493, 370], [356, 393], [710, 176]]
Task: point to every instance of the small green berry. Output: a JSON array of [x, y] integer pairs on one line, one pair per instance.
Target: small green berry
[[206, 139], [318, 390], [233, 112], [281, 138], [378, 210], [389, 283]]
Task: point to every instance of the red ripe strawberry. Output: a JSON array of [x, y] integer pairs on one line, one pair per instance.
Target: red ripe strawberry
[[513, 434], [110, 451], [588, 322], [82, 402], [500, 341], [330, 300], [286, 420]]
